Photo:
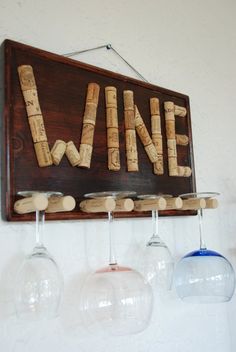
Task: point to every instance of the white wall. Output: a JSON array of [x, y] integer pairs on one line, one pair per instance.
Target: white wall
[[188, 46]]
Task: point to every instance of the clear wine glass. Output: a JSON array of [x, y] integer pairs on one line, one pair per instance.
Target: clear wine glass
[[204, 276], [39, 282], [117, 298], [157, 264]]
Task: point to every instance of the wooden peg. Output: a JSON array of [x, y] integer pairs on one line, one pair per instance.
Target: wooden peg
[[99, 205], [31, 204], [150, 204], [174, 203], [211, 203], [124, 205], [193, 204], [58, 204]]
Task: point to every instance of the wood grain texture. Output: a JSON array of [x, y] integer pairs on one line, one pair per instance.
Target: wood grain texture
[[62, 86]]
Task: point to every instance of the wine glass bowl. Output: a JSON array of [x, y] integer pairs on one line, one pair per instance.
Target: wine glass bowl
[[38, 286], [156, 264], [116, 297], [39, 282], [203, 275]]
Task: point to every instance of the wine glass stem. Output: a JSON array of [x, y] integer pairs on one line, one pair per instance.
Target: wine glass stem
[[112, 259], [40, 218], [200, 220], [155, 223]]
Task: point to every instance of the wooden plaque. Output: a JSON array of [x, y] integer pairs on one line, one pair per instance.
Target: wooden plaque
[[62, 86]]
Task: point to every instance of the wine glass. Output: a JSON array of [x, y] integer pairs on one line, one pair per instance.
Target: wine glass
[[117, 298], [39, 282], [157, 264], [204, 276]]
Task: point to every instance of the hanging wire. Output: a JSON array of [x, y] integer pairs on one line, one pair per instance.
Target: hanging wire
[[108, 47]]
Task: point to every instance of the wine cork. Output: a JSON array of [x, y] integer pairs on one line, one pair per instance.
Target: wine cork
[[111, 117], [151, 152], [157, 141], [170, 134], [150, 204], [128, 100], [171, 145], [174, 203], [141, 129], [112, 137], [145, 137], [93, 93], [130, 134], [58, 150], [130, 139], [110, 96], [90, 113], [169, 110], [156, 124], [158, 166], [129, 109], [32, 102], [132, 161], [112, 129], [184, 171], [87, 134], [89, 122], [211, 203], [35, 118], [154, 106], [193, 204], [173, 166], [170, 119], [170, 129], [26, 75], [131, 151], [124, 205], [180, 111], [43, 154], [59, 204], [129, 119], [37, 128], [181, 139], [99, 205], [31, 204], [85, 152], [113, 159], [72, 154]]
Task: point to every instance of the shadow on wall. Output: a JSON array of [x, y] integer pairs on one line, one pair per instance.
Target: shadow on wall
[[7, 286]]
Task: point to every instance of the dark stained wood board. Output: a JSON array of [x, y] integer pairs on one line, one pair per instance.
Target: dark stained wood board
[[62, 86]]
